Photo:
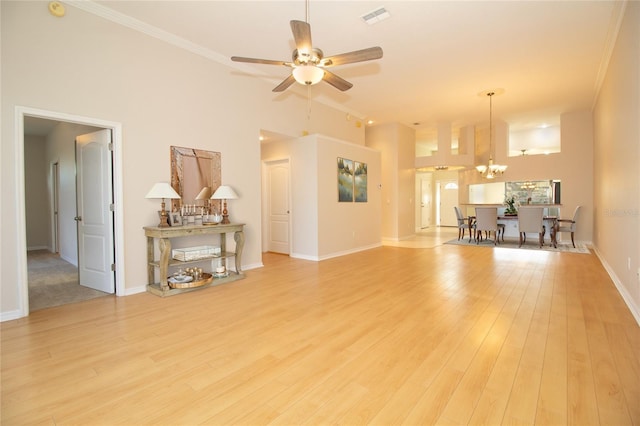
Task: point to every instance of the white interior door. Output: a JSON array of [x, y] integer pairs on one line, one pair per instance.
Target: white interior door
[[94, 215], [448, 200], [278, 206], [55, 199], [426, 204]]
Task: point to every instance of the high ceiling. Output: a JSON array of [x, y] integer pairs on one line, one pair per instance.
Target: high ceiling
[[548, 56]]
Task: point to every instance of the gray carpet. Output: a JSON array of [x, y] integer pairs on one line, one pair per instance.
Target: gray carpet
[[531, 244], [54, 282]]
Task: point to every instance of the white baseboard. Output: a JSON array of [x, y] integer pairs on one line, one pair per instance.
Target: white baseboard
[[635, 310], [69, 260], [398, 239], [135, 290], [334, 254], [31, 248], [11, 315], [252, 266]]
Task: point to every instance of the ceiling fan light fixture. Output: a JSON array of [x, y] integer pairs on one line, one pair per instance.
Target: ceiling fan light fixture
[[308, 74]]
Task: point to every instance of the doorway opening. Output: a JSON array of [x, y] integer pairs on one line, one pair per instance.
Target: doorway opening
[[56, 195], [276, 198], [277, 213], [446, 199]]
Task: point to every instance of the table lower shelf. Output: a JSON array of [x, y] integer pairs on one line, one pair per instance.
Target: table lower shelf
[[157, 290]]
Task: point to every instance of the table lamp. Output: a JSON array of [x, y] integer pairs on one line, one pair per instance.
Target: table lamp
[[224, 193], [162, 190]]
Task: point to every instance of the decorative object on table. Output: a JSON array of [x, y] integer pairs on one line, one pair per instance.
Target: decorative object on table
[[203, 279], [220, 270], [345, 180], [195, 253], [180, 277], [192, 170], [162, 190], [511, 206], [205, 195], [491, 170], [212, 219], [224, 193], [175, 219]]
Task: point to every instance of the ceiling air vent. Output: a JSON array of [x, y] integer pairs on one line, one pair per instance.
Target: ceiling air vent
[[375, 16]]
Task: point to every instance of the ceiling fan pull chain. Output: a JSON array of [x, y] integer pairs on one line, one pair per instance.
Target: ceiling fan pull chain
[[308, 103]]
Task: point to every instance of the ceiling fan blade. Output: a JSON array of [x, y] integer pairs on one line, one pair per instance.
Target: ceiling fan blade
[[337, 82], [285, 84], [259, 61], [302, 35], [351, 57]]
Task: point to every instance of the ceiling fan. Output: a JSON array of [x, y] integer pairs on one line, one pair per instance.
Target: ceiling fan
[[308, 64]]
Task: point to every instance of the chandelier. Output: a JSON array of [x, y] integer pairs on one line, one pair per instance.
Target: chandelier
[[491, 170]]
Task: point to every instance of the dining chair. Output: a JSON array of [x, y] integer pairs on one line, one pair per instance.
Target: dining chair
[[463, 224], [568, 225], [486, 220], [531, 219]]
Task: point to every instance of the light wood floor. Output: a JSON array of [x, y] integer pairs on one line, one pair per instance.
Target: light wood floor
[[447, 335]]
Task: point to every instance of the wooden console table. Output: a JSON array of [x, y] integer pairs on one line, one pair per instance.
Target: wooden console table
[[164, 236]]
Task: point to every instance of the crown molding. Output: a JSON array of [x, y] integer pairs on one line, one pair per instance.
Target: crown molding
[[142, 27]]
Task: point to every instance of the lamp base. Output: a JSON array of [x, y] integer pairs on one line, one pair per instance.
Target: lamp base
[[164, 219], [225, 214]]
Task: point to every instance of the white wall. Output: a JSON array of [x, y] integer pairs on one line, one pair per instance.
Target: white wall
[[617, 160], [322, 227], [345, 227], [396, 143], [162, 96], [35, 183]]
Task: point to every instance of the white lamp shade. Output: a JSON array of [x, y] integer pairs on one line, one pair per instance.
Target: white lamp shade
[[308, 74], [204, 193], [224, 192], [162, 190]]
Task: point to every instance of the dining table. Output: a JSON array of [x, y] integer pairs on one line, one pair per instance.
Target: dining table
[[552, 220]]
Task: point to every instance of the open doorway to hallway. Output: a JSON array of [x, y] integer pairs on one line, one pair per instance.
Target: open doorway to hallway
[[50, 241]]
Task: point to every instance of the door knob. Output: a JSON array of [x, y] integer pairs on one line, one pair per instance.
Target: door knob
[[77, 218]]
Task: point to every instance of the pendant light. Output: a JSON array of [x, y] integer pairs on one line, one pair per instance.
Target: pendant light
[[491, 170]]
